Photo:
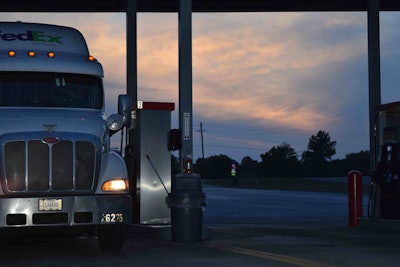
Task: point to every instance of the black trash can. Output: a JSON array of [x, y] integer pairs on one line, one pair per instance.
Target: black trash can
[[186, 202]]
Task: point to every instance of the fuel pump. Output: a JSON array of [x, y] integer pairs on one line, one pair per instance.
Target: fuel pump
[[387, 171], [384, 201], [387, 178]]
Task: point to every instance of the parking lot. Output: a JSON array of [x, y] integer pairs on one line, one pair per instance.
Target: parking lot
[[246, 227]]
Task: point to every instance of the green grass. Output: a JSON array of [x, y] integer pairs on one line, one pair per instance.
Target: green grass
[[286, 183]]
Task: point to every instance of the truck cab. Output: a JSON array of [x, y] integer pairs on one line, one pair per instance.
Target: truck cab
[[56, 165]]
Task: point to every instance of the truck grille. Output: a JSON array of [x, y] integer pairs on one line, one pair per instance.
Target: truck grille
[[33, 165]]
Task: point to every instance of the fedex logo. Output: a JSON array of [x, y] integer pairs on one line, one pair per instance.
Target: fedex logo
[[36, 36]]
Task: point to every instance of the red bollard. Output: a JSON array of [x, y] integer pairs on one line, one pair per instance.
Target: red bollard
[[355, 196]]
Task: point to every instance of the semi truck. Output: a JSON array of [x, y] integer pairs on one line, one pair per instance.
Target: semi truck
[[56, 165]]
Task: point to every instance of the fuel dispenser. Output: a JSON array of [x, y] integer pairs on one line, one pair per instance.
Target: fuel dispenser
[[387, 178], [384, 199], [152, 163], [158, 198]]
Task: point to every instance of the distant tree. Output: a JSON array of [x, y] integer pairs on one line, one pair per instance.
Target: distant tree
[[249, 168], [353, 161], [215, 166], [358, 161], [201, 166], [319, 152], [279, 161]]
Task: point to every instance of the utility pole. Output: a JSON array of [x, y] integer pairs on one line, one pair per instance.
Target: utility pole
[[202, 143]]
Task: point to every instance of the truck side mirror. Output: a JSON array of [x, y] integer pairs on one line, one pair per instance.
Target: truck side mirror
[[125, 109], [114, 123]]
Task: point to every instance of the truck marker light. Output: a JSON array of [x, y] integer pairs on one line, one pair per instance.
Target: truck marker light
[[31, 53], [51, 55], [91, 58], [11, 53], [115, 185]]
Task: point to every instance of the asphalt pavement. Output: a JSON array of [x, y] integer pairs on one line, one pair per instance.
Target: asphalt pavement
[[243, 227]]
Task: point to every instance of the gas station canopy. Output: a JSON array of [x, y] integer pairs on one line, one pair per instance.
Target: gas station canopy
[[197, 5]]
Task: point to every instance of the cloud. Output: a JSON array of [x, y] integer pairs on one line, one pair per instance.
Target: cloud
[[294, 72], [157, 57], [275, 76], [390, 56], [252, 72]]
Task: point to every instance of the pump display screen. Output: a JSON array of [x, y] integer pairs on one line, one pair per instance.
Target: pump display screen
[[26, 89]]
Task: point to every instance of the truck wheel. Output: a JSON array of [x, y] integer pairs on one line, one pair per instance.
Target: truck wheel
[[111, 237]]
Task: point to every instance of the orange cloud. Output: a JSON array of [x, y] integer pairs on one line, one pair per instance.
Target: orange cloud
[[246, 66]]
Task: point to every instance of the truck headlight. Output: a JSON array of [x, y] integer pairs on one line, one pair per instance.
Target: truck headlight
[[115, 185]]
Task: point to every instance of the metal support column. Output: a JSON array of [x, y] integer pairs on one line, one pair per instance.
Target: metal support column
[[185, 79], [131, 51], [131, 89], [374, 75]]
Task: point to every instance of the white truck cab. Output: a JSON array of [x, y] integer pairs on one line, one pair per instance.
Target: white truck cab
[[56, 165]]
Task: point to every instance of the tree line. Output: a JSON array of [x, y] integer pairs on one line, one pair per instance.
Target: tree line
[[283, 161]]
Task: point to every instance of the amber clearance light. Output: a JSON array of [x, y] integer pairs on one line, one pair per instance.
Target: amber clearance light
[[11, 53], [115, 185]]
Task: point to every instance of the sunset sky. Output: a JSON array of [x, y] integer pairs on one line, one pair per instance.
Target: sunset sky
[[259, 79]]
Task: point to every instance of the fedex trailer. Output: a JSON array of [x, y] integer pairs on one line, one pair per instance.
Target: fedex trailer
[[56, 165]]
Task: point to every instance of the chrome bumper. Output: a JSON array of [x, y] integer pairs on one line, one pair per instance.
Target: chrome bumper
[[65, 210]]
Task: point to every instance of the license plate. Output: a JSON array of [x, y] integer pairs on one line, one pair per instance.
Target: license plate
[[50, 204]]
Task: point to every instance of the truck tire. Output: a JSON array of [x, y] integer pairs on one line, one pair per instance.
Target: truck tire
[[111, 237]]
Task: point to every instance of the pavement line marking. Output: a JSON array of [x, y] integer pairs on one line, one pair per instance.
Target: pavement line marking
[[272, 256]]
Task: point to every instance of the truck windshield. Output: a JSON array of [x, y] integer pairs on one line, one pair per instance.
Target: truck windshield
[[50, 90]]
